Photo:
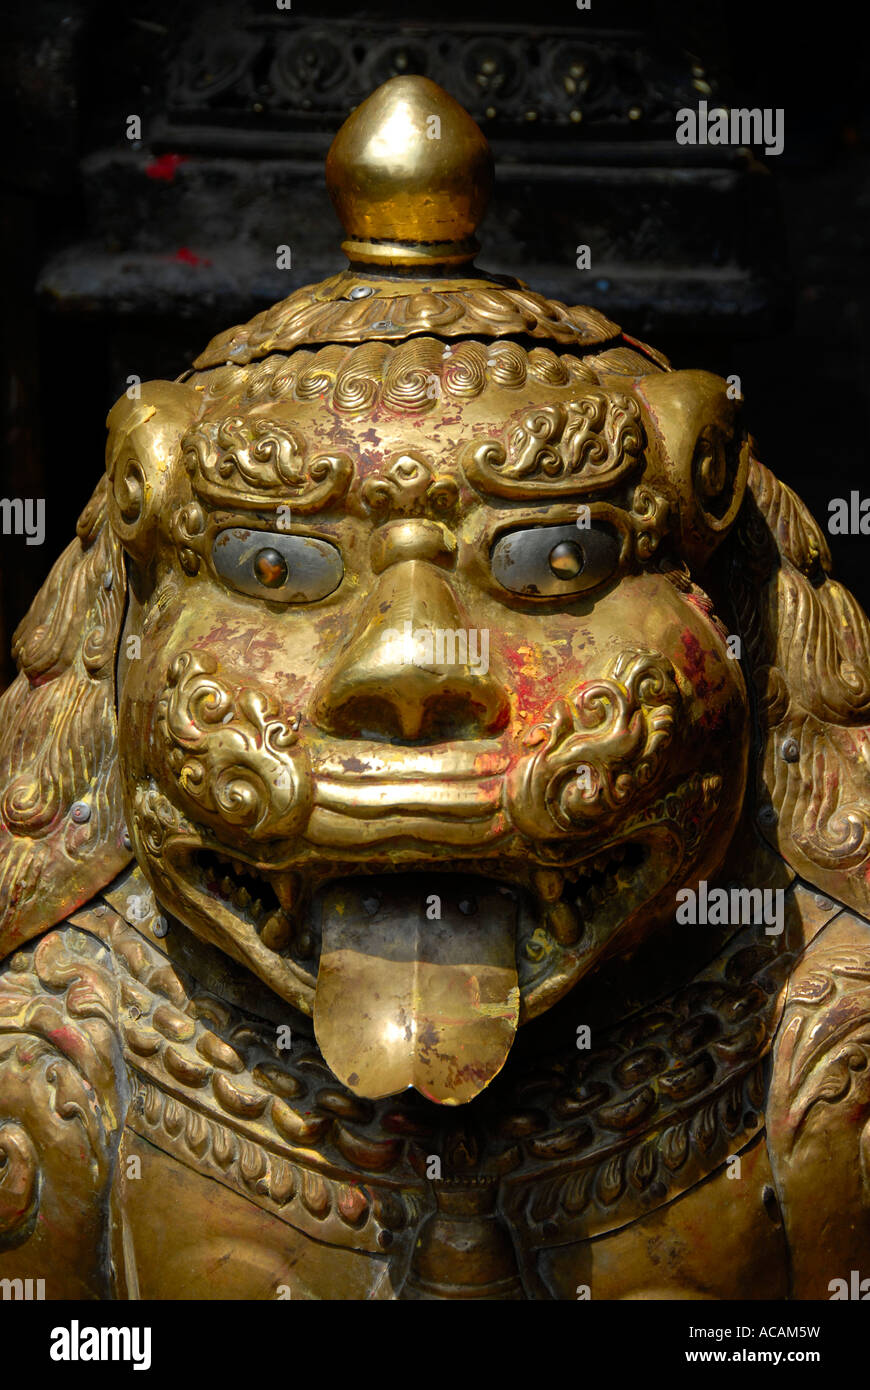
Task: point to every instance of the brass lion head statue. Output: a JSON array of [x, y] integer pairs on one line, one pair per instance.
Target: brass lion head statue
[[424, 641]]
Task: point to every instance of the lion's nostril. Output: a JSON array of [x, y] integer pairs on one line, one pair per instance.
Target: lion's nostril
[[415, 670], [445, 716]]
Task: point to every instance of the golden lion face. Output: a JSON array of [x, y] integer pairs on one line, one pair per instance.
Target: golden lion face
[[391, 666], [428, 657]]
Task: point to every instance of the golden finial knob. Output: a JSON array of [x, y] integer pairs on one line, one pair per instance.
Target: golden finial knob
[[410, 174]]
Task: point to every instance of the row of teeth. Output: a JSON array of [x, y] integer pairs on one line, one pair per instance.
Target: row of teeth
[[235, 864], [236, 892], [273, 927], [590, 885], [602, 870], [598, 878]]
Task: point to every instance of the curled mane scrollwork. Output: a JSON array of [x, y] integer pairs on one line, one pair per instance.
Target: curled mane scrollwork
[[61, 819], [808, 647]]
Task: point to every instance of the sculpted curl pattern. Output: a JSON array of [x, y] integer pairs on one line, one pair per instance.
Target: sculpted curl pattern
[[232, 756], [596, 752]]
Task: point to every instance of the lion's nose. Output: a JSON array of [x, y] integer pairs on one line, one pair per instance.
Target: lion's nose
[[414, 670]]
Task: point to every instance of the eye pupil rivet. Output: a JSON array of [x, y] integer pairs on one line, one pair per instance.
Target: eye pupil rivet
[[566, 560], [80, 812], [791, 750], [270, 568]]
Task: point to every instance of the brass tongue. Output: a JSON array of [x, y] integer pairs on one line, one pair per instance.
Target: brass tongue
[[408, 997]]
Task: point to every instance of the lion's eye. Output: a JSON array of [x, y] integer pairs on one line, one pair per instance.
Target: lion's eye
[[287, 569], [552, 561]]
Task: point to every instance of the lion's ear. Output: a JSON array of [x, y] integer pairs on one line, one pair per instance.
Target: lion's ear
[[141, 452], [703, 452], [62, 832], [808, 647]]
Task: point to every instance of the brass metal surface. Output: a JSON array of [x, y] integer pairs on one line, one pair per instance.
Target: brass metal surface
[[420, 650], [409, 174]]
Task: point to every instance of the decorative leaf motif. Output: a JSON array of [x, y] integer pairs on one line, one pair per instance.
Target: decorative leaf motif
[[323, 314], [675, 1146], [611, 1180], [642, 1166]]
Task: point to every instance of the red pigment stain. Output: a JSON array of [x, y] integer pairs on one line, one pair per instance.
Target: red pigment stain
[[221, 632], [695, 663], [695, 669], [188, 257], [164, 166], [701, 602], [528, 689], [259, 652], [488, 764]]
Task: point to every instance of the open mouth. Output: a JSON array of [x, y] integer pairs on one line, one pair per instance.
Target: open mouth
[[458, 947], [285, 919], [559, 909], [421, 977], [263, 900]]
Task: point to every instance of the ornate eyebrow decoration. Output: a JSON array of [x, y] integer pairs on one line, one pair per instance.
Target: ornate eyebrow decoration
[[251, 462], [582, 446]]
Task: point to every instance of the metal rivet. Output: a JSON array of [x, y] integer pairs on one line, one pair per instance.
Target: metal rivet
[[160, 926], [371, 905], [767, 815], [126, 841], [468, 907], [790, 750], [385, 324], [360, 292], [107, 580], [770, 1204], [80, 812]]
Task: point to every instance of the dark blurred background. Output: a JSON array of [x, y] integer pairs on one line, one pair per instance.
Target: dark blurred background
[[124, 257]]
